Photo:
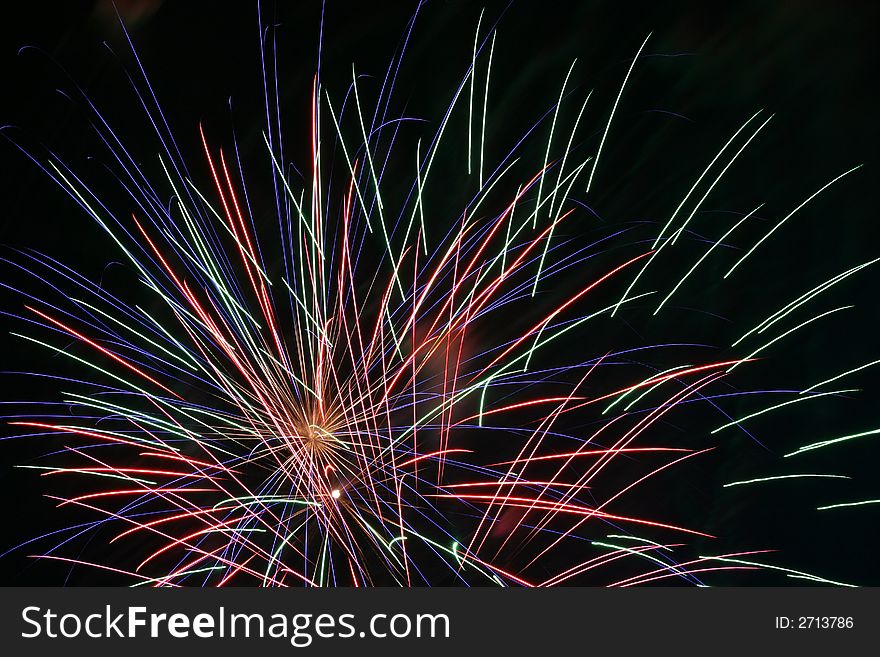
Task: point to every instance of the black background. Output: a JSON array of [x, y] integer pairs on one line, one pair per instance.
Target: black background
[[520, 621], [708, 66]]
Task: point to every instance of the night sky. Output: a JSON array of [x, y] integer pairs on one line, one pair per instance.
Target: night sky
[[707, 67]]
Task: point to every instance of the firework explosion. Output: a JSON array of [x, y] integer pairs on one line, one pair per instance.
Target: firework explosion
[[322, 376]]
